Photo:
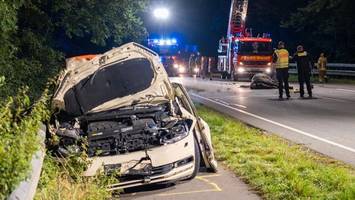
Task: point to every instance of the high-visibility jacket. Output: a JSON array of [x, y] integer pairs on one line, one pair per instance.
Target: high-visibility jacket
[[282, 60]]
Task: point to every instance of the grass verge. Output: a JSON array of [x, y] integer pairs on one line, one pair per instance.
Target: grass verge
[[62, 179], [275, 167], [314, 79]]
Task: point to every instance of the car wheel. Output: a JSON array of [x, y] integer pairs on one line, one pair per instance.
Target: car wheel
[[197, 161]]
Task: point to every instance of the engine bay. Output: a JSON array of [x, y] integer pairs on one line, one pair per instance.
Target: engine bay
[[118, 131]]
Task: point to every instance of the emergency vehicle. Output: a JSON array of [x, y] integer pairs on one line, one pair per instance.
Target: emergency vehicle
[[241, 54], [175, 56]]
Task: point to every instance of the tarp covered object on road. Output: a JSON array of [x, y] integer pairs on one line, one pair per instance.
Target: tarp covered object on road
[[263, 81]]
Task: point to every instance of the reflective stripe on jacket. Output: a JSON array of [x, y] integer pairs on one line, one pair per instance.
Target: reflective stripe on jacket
[[282, 58]]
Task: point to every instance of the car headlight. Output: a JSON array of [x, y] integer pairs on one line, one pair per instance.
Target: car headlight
[[269, 64], [268, 70], [241, 63], [182, 69], [241, 70], [176, 66], [196, 70], [178, 132]]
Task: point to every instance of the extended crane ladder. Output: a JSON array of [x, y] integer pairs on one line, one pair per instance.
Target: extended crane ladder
[[237, 17]]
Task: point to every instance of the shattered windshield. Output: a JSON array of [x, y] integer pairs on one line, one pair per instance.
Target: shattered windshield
[[115, 81]]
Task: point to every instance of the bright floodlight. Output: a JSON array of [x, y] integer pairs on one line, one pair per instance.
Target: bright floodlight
[[161, 13]]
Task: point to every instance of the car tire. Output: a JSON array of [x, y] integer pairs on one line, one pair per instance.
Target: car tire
[[197, 161]]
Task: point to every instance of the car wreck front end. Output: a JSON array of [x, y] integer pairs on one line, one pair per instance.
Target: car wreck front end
[[123, 106]]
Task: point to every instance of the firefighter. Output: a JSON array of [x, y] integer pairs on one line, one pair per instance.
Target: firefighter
[[322, 68], [281, 62], [304, 68]]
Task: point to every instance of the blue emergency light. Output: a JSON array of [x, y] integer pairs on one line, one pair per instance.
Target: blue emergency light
[[163, 42]]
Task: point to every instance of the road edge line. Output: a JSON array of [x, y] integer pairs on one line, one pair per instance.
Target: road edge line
[[279, 124]]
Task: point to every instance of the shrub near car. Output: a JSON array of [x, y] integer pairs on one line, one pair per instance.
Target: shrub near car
[[135, 121]]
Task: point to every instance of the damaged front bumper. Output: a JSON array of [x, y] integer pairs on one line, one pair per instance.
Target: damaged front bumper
[[167, 163], [179, 170]]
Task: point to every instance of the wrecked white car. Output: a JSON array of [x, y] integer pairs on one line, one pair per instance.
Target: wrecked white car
[[135, 120]]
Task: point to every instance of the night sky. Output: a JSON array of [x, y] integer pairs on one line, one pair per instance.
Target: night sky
[[200, 22], [204, 22]]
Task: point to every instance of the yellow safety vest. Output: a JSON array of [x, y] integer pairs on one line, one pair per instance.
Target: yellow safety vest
[[282, 58]]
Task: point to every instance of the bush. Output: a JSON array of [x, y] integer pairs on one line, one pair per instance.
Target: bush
[[62, 179], [19, 125], [2, 81]]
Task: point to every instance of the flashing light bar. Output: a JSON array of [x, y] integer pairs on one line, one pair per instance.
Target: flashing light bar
[[163, 42]]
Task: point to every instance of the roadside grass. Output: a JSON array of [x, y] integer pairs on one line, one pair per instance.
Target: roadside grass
[[275, 167], [62, 179], [314, 79], [342, 81]]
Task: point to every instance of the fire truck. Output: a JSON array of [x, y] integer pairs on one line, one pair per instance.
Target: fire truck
[[241, 54]]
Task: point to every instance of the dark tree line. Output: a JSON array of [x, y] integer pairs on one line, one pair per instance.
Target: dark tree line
[[320, 25], [36, 35], [327, 25]]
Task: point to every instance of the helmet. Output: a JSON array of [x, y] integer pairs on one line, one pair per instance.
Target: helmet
[[300, 48]]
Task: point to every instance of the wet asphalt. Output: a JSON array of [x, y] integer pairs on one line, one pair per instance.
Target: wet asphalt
[[325, 123]]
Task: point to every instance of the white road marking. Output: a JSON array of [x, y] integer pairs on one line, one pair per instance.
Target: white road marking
[[279, 124], [230, 104], [334, 99], [254, 95], [238, 105], [346, 90]]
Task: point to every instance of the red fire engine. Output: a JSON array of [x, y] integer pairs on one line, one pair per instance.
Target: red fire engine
[[241, 54]]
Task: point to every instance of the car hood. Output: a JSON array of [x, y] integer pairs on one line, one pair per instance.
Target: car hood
[[124, 76]]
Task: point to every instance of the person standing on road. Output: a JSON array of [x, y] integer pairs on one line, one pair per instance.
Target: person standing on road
[[281, 63], [322, 68], [304, 68]]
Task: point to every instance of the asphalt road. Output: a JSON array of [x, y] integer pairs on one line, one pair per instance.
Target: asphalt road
[[206, 186], [325, 124]]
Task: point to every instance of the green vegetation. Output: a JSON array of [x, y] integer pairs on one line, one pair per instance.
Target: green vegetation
[[276, 167], [35, 38], [314, 79], [341, 81], [323, 26], [19, 124], [61, 179], [319, 25]]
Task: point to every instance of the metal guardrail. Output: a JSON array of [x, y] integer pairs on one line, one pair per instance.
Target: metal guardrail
[[27, 188], [333, 69]]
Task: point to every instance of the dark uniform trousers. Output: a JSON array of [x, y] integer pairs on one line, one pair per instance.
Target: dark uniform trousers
[[305, 78], [282, 77]]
